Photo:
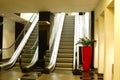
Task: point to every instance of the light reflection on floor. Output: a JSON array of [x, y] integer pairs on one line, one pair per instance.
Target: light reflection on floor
[[16, 74]]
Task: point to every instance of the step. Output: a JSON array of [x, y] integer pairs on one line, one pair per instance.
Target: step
[[31, 40], [26, 60], [30, 43], [67, 40], [68, 69], [69, 24], [66, 46], [61, 55], [64, 60], [65, 50], [33, 37], [29, 51], [68, 27], [67, 32], [27, 55], [66, 43], [67, 35], [69, 19], [24, 64], [64, 65]]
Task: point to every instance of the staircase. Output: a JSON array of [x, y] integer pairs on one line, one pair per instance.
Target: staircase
[[27, 53], [65, 53]]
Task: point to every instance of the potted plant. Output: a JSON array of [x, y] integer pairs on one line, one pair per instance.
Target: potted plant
[[86, 52]]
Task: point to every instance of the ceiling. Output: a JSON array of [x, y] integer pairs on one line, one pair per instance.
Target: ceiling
[[28, 6]]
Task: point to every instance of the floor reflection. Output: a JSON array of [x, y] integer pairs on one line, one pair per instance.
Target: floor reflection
[[16, 74], [91, 75]]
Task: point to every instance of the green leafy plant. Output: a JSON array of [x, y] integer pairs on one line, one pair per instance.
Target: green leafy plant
[[86, 41]]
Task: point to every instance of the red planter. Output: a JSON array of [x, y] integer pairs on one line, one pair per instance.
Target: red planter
[[86, 57]]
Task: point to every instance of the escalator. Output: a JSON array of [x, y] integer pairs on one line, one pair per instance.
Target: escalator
[[60, 50], [29, 32], [66, 47], [63, 54], [51, 54], [29, 51], [51, 60]]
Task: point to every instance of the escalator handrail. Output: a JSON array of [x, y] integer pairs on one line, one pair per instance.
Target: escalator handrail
[[53, 58], [34, 45], [54, 30], [76, 53], [34, 59], [17, 52]]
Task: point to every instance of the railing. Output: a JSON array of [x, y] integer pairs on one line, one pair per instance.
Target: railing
[[76, 53], [54, 29], [17, 52], [55, 39]]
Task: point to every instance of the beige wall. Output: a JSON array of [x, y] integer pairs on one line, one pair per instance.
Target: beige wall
[[96, 45], [104, 18], [101, 44], [117, 41], [109, 42], [101, 7], [8, 37]]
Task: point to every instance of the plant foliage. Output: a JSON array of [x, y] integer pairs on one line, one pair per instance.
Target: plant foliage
[[86, 41]]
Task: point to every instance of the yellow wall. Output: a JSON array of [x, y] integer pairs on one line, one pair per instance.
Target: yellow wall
[[104, 17], [101, 7], [96, 45], [101, 44], [117, 41], [109, 43]]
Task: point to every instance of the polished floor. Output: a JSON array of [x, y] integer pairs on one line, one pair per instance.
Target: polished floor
[[16, 74]]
